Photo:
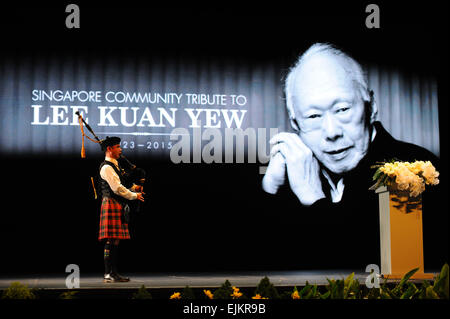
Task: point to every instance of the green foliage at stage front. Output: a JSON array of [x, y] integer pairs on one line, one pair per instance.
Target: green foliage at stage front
[[187, 293], [142, 293], [266, 289], [224, 292], [345, 288], [69, 295], [18, 291]]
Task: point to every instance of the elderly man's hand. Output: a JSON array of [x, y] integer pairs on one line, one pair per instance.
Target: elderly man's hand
[[302, 168]]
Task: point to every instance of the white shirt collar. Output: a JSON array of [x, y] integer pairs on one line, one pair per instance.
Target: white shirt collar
[[374, 133]]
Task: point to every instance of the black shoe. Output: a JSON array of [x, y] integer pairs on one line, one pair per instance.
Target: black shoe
[[119, 278]]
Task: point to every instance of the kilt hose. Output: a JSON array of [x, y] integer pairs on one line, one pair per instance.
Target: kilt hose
[[111, 225]]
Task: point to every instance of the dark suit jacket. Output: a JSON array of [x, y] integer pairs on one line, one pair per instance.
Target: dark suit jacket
[[346, 234]]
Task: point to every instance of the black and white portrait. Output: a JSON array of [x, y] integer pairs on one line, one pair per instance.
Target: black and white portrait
[[325, 164]]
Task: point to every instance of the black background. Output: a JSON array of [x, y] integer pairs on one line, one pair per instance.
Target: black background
[[198, 217]]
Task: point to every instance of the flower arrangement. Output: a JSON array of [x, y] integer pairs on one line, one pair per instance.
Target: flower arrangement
[[405, 176]]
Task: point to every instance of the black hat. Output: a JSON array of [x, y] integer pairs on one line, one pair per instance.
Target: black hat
[[109, 141]]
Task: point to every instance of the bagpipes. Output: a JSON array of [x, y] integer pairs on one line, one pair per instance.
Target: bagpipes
[[130, 173]]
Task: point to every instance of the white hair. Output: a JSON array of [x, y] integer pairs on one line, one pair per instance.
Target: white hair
[[353, 68]]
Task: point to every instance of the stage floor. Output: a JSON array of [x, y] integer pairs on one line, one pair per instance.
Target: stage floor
[[179, 280]]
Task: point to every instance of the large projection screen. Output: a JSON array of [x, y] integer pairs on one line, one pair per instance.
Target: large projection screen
[[196, 94]]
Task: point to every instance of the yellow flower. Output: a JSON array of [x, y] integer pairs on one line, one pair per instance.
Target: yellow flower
[[176, 295], [258, 296], [430, 174], [236, 294], [295, 295], [390, 169], [416, 167], [410, 177], [404, 178], [208, 293]]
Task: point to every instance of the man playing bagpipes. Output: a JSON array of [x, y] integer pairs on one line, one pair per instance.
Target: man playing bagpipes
[[114, 208], [117, 189]]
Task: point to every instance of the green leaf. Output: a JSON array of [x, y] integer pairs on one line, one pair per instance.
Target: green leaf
[[310, 294], [397, 292], [325, 295], [225, 291], [142, 293], [348, 283], [349, 280], [431, 294], [385, 295], [304, 290], [410, 292], [426, 284], [441, 284], [340, 289], [377, 174], [266, 289], [331, 283], [187, 293], [373, 293], [405, 278], [421, 294]]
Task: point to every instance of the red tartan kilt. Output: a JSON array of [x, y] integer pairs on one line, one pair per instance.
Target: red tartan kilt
[[111, 225]]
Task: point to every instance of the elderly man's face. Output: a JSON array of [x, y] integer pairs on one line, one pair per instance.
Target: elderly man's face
[[330, 112]]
